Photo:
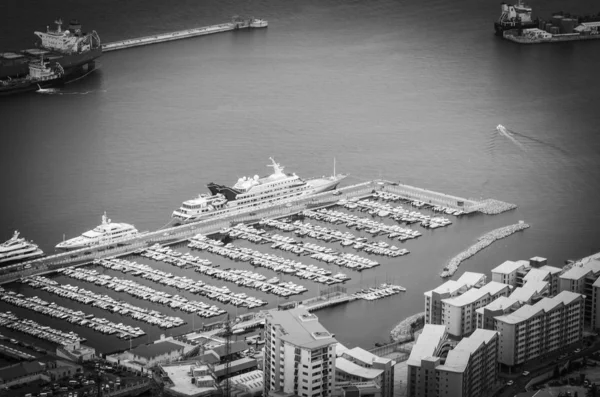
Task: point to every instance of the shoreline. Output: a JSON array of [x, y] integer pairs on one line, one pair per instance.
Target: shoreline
[[482, 242], [403, 328]]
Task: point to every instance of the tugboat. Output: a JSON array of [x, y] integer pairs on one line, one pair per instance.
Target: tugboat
[[71, 48], [40, 75], [516, 16]]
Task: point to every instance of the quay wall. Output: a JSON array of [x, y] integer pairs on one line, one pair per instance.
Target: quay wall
[[431, 197]]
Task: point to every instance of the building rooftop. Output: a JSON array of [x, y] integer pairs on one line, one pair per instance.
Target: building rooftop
[[301, 328], [474, 294], [252, 380], [449, 287], [182, 380], [581, 270], [19, 370], [471, 279], [501, 303], [236, 365], [458, 358], [524, 295], [507, 267], [347, 366], [551, 269], [536, 275], [546, 304], [427, 343], [538, 286], [363, 356], [156, 349], [234, 347], [340, 349]]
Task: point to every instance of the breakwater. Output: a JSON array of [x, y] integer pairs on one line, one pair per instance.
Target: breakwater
[[482, 242]]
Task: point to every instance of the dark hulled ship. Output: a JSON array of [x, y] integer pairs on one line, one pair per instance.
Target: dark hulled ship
[[72, 49]]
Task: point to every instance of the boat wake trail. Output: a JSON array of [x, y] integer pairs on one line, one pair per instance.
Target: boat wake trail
[[79, 93], [559, 149], [506, 133]]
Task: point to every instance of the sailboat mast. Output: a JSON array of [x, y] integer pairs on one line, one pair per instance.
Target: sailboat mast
[[334, 166]]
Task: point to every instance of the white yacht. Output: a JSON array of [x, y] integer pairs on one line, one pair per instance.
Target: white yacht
[[104, 233], [18, 249], [250, 192]]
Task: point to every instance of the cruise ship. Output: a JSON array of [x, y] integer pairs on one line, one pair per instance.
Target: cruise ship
[[104, 233], [17, 249], [250, 192]]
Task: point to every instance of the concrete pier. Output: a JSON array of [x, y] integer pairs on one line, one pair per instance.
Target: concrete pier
[[236, 23]]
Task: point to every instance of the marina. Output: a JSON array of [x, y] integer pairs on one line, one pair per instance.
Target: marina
[[30, 327], [235, 24]]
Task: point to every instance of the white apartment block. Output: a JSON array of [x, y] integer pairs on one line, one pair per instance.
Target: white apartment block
[[535, 330], [451, 288], [582, 278], [502, 305], [467, 370], [358, 366], [299, 355], [459, 313], [518, 273]]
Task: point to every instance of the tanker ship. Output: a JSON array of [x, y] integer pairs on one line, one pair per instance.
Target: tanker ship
[[74, 50]]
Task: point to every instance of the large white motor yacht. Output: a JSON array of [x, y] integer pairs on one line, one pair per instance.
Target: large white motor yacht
[[17, 249], [250, 192], [104, 233]]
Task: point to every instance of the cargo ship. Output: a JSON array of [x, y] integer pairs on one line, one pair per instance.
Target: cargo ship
[[252, 192], [517, 16], [72, 49], [41, 75]]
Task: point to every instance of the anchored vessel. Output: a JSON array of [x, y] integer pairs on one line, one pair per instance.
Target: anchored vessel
[[73, 49], [104, 233], [516, 16], [40, 75], [17, 249], [252, 192]]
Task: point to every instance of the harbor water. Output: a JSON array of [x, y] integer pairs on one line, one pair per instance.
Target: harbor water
[[410, 92]]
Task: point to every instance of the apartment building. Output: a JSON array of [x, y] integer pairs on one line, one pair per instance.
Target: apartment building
[[502, 305], [436, 368], [359, 366], [534, 330], [582, 278], [451, 288], [518, 273], [459, 313], [299, 355]]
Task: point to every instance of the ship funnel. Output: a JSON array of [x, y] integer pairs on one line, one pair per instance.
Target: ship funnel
[[75, 26]]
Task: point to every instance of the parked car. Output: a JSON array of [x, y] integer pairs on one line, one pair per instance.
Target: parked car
[[525, 373], [510, 383]]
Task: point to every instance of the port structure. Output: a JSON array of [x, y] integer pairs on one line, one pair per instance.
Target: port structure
[[235, 24]]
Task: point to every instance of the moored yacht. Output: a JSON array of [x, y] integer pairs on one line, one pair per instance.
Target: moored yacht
[[104, 233], [18, 249], [250, 192]]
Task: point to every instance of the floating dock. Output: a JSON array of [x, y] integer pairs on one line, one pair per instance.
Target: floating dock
[[235, 24]]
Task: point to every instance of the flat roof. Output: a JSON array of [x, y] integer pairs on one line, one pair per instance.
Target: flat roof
[[474, 294], [301, 328], [182, 381], [234, 347], [360, 354], [536, 275], [156, 349], [252, 380], [347, 366], [458, 358], [427, 343], [538, 286], [236, 365]]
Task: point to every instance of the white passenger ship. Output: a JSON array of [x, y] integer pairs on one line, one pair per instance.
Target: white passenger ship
[[105, 233], [17, 249], [253, 192]]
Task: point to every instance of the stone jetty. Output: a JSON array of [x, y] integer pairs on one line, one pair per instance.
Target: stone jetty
[[495, 207], [482, 242]]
